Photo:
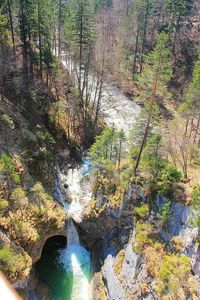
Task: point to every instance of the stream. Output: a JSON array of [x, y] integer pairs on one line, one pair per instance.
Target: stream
[[116, 108], [71, 265]]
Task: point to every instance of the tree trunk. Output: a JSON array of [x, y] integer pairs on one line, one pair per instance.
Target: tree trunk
[[80, 51], [186, 125], [59, 28], [144, 34], [40, 39], [175, 36], [119, 155], [148, 120], [136, 51], [23, 37], [197, 129], [11, 24]]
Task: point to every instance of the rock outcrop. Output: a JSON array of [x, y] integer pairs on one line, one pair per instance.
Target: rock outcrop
[[180, 225], [124, 272], [101, 217]]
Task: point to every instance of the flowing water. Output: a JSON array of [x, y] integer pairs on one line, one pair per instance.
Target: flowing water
[[76, 260], [67, 271], [116, 108]]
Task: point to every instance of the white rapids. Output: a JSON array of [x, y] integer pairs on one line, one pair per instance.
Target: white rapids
[[76, 261], [116, 108]]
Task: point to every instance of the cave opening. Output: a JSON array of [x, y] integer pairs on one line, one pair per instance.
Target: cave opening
[[48, 271]]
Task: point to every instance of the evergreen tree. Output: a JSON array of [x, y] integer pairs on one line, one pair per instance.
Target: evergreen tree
[[156, 74], [141, 11], [176, 8], [108, 148], [4, 41], [83, 37], [191, 108]]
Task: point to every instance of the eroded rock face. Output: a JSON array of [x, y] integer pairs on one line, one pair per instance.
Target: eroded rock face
[[180, 225], [104, 218], [36, 251], [23, 282], [124, 282], [123, 275], [21, 276], [113, 286]]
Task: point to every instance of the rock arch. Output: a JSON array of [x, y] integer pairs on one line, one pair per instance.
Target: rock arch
[[37, 250]]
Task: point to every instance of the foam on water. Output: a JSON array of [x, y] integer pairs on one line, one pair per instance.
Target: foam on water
[[76, 260], [116, 108], [78, 195]]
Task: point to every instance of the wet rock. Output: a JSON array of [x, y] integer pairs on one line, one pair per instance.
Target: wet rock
[[65, 185], [65, 154], [68, 199], [21, 284]]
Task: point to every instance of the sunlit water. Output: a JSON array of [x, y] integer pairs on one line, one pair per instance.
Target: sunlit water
[[66, 271], [116, 108], [76, 261], [79, 192]]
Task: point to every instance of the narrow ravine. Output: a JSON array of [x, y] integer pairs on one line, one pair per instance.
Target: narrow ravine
[[100, 149], [75, 260]]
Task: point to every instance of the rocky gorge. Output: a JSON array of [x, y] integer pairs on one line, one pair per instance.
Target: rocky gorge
[[119, 271], [99, 149]]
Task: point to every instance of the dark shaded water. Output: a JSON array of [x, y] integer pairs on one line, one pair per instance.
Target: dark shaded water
[[66, 271], [50, 272]]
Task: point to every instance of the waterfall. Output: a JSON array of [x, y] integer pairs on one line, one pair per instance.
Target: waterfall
[[72, 234], [76, 261], [79, 193]]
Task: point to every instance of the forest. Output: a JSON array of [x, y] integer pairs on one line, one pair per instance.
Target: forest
[[100, 149]]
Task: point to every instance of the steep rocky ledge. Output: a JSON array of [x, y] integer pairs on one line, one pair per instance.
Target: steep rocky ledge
[[35, 255], [29, 216], [121, 272]]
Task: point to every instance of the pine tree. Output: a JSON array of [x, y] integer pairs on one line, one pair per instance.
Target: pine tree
[[7, 7], [83, 36], [176, 8], [141, 11], [4, 41], [108, 147], [191, 108], [45, 31], [156, 74]]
